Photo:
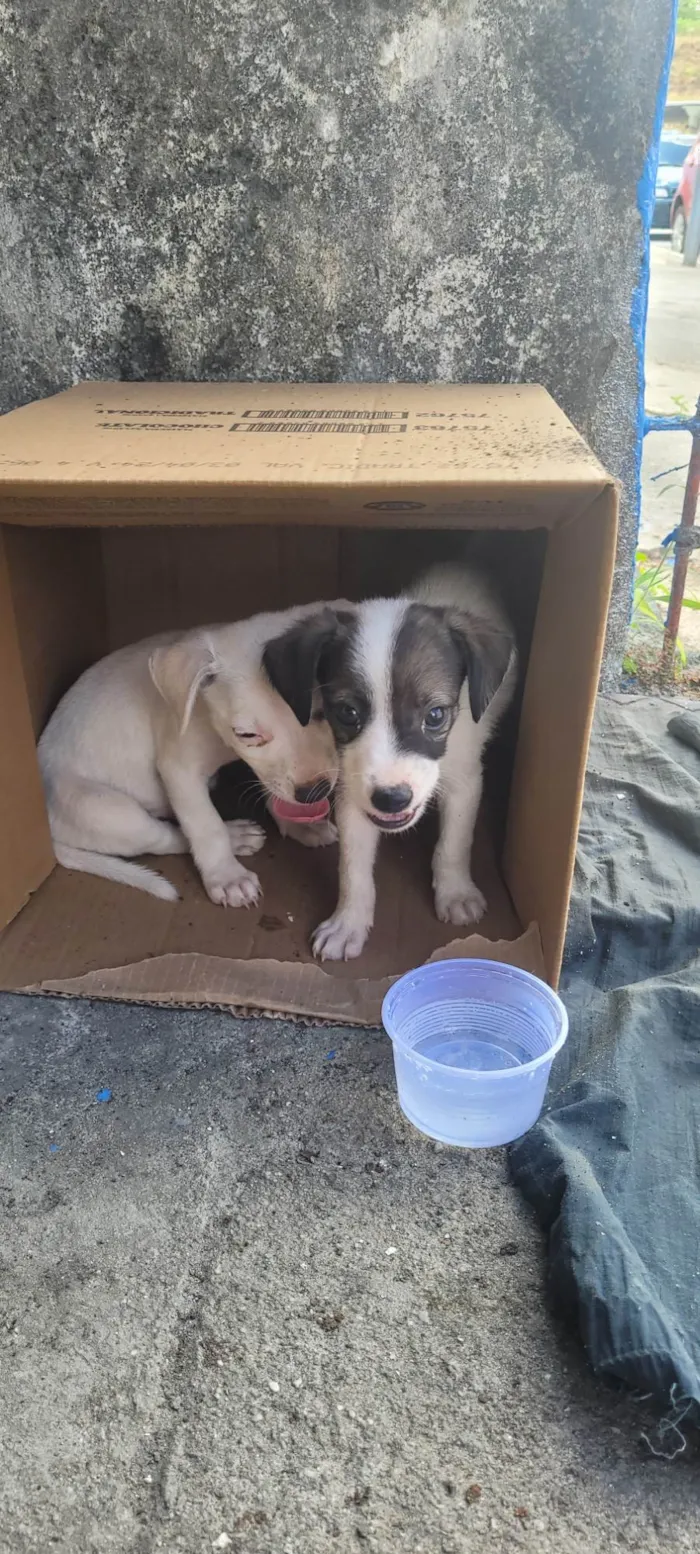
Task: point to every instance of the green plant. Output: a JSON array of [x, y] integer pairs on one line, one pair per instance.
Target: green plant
[[650, 600], [688, 16]]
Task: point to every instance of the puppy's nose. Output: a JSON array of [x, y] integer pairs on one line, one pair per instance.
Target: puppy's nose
[[313, 792], [391, 801]]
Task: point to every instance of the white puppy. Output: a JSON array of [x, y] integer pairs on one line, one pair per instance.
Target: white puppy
[[413, 688], [129, 753]]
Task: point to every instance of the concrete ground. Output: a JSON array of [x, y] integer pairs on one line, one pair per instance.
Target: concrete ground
[[243, 1305], [672, 365]]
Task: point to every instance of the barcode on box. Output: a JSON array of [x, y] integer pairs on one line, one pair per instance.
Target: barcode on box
[[324, 415], [305, 428]]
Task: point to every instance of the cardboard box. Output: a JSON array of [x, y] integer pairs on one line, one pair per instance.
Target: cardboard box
[[130, 508]]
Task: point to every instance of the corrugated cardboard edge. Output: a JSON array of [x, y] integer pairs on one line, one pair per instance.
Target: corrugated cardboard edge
[[276, 987]]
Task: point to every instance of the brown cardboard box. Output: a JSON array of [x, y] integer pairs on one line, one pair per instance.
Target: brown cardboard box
[[129, 508]]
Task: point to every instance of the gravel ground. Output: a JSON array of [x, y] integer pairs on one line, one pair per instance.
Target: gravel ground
[[243, 1305]]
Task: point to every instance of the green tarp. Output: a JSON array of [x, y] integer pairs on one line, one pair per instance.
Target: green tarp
[[613, 1166]]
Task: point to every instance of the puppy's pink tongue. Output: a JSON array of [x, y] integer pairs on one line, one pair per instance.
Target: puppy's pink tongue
[[302, 814]]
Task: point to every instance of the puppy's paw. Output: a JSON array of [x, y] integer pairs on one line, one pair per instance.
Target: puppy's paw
[[231, 886], [341, 937], [322, 834], [458, 900], [245, 836]]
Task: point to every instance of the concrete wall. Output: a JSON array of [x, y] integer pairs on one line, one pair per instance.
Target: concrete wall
[[317, 189]]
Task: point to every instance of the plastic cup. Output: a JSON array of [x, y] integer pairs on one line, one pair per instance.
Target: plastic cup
[[473, 1045]]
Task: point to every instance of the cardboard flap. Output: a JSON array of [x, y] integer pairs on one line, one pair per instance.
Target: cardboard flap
[[79, 925], [556, 719], [278, 987], [26, 854], [392, 454]]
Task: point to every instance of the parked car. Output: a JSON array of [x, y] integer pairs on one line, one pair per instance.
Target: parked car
[[683, 197], [673, 151]]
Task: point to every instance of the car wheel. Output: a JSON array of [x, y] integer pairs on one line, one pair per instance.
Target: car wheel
[[678, 230]]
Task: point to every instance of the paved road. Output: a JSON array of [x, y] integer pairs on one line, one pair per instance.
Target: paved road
[[672, 370], [672, 373]]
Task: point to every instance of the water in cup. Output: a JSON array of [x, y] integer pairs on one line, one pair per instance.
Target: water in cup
[[461, 1049]]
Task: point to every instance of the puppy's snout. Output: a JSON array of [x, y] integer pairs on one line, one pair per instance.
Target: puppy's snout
[[313, 792], [391, 801]]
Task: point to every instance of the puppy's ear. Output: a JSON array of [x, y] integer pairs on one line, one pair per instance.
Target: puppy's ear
[[181, 670], [487, 652], [291, 661]]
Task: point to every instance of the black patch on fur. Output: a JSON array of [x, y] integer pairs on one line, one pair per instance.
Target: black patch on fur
[[485, 651], [291, 662], [427, 671], [342, 685]]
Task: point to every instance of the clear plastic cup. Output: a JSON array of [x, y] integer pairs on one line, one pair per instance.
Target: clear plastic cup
[[473, 1045]]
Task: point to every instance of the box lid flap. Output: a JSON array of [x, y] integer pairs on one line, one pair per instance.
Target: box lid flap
[[276, 986], [283, 436]]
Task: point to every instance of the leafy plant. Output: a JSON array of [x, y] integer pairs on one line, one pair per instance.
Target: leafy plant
[[688, 15], [650, 600]]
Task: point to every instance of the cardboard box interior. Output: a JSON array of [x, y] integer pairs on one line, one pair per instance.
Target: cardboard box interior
[[74, 593]]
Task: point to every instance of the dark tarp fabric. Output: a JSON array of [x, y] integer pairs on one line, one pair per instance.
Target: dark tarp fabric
[[612, 1166]]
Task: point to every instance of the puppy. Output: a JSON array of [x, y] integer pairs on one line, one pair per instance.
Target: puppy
[[413, 689], [129, 753]]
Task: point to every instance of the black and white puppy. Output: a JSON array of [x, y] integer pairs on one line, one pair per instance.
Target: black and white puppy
[[413, 689]]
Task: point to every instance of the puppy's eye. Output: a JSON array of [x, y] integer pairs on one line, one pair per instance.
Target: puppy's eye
[[251, 738], [347, 715], [436, 720]]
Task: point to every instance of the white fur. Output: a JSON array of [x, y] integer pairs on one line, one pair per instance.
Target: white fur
[[373, 760], [128, 755]]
